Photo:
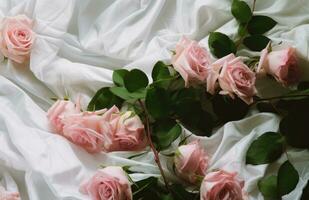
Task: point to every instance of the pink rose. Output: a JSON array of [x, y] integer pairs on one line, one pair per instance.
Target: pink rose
[[110, 183], [5, 195], [125, 133], [222, 185], [191, 162], [191, 61], [214, 72], [58, 111], [237, 78], [16, 37], [280, 64], [83, 129]]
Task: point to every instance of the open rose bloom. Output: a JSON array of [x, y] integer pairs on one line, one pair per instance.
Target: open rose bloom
[[110, 183], [6, 195], [236, 78], [222, 185], [16, 38], [191, 61], [191, 162], [102, 130], [281, 64]]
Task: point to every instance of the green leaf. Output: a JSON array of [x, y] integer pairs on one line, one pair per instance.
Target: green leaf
[[135, 80], [193, 117], [157, 102], [241, 11], [165, 132], [126, 95], [141, 187], [242, 30], [265, 149], [256, 42], [304, 85], [103, 98], [220, 44], [260, 24], [305, 194], [118, 76], [228, 109], [180, 193], [268, 187], [160, 71], [294, 125], [287, 178]]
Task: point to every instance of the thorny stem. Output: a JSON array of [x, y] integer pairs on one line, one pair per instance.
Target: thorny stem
[[282, 97], [155, 152], [253, 7]]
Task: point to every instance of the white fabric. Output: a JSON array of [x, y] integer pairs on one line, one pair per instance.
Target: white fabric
[[80, 42]]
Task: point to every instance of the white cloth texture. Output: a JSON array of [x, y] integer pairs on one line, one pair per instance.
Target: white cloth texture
[[80, 42]]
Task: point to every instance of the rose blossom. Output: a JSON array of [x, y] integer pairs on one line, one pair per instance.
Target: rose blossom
[[110, 183], [281, 64], [58, 111], [237, 78], [16, 37], [125, 132], [83, 129], [191, 61], [191, 161], [222, 185], [5, 195]]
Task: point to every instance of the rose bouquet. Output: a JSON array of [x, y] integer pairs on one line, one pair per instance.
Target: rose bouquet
[[197, 90]]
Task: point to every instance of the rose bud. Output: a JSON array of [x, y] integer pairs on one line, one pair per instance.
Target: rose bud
[[222, 185], [191, 162], [16, 37], [281, 64], [110, 183], [236, 78]]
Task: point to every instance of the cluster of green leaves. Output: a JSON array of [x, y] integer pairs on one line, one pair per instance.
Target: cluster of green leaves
[[150, 189], [250, 31], [166, 100], [266, 149], [294, 107]]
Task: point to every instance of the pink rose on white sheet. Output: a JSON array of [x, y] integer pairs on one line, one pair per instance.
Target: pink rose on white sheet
[[191, 162], [191, 61], [281, 64], [6, 195], [236, 78], [16, 38], [58, 111], [222, 185], [125, 132], [110, 183]]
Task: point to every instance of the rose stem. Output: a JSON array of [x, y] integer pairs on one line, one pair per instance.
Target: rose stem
[[155, 152]]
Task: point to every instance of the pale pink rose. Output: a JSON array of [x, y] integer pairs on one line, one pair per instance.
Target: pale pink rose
[[125, 132], [6, 195], [214, 72], [281, 64], [222, 185], [191, 61], [236, 78], [191, 162], [58, 111], [83, 129], [16, 38], [110, 183]]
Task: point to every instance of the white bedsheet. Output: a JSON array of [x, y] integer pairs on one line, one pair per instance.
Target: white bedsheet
[[79, 43]]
